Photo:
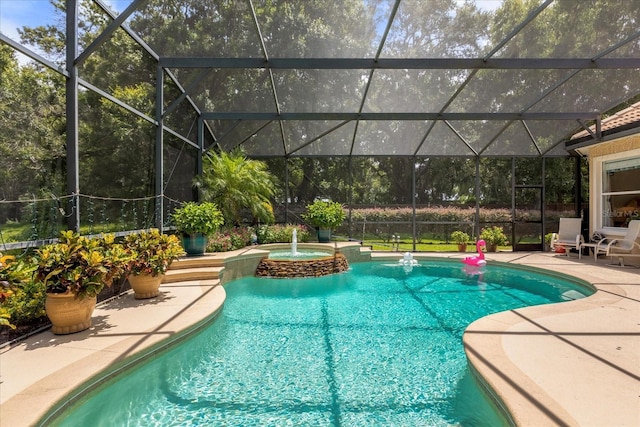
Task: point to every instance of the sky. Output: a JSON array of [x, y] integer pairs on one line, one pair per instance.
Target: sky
[[18, 13], [15, 14], [32, 13]]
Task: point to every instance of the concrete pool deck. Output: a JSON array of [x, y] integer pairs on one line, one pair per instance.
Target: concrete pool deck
[[574, 363]]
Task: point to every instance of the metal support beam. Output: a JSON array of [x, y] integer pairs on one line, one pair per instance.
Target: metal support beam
[[583, 115], [403, 63], [477, 191], [159, 152], [413, 201], [73, 158], [106, 34], [31, 54]]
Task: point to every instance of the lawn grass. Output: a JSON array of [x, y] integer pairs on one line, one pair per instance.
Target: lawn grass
[[377, 245]]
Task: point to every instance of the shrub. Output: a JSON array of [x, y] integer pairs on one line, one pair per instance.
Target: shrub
[[193, 218], [229, 239], [493, 236], [460, 237], [26, 304], [282, 233], [325, 214]]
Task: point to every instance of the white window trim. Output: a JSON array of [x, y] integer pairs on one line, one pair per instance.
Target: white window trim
[[596, 194]]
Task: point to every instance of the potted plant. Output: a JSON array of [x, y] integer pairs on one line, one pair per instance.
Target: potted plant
[[547, 241], [461, 238], [325, 215], [493, 236], [151, 253], [195, 222], [74, 271]]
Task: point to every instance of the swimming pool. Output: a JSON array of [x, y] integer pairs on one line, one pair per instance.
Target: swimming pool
[[379, 345]]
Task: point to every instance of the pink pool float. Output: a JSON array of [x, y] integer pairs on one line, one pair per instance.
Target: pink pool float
[[478, 260]]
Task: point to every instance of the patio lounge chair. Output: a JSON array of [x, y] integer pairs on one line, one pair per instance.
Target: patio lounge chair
[[569, 235], [621, 247]]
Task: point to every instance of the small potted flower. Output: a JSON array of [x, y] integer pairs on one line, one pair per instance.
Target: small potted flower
[[151, 253], [196, 222], [461, 239], [74, 271], [326, 216], [493, 236]]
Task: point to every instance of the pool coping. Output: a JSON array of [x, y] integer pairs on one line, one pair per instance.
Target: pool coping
[[511, 351]]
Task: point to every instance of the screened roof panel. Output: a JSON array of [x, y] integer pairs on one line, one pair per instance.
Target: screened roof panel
[[442, 141], [628, 50], [478, 134], [389, 137], [592, 90], [336, 143], [514, 141], [302, 29], [267, 142], [548, 133], [505, 90], [234, 90], [232, 133], [401, 77], [300, 133], [319, 90], [412, 90], [575, 29], [197, 28], [431, 29]]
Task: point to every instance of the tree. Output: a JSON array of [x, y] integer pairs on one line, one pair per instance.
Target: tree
[[32, 122], [235, 183]]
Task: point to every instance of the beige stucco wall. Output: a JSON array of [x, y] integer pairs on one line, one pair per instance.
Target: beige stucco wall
[[621, 145]]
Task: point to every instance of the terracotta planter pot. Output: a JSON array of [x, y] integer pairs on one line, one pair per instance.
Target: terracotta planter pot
[[69, 314], [145, 285], [492, 247], [462, 247]]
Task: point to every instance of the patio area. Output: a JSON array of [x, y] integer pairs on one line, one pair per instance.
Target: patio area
[[575, 363]]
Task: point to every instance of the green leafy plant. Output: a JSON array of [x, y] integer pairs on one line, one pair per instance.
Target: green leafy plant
[[547, 239], [15, 274], [238, 185], [325, 214], [151, 252], [192, 218], [26, 305], [460, 237], [282, 233], [493, 236], [80, 265]]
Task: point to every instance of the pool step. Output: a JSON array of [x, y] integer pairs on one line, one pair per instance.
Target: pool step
[[185, 269]]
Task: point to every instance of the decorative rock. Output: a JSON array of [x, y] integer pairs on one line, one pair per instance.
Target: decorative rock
[[304, 268]]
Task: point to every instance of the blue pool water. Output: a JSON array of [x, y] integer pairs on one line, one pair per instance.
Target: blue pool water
[[377, 346]]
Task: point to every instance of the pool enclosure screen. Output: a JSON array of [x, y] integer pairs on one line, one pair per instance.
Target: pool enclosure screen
[[310, 79]]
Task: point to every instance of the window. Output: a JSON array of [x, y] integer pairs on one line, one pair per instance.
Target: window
[[620, 191]]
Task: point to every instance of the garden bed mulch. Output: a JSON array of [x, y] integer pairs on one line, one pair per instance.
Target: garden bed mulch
[[8, 335]]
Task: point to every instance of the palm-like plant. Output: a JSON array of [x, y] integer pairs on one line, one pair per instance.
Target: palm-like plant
[[235, 183]]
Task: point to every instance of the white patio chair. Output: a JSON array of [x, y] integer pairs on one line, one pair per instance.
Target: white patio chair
[[569, 235], [621, 247]]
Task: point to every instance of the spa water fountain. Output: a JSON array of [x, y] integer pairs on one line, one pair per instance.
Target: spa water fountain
[[318, 260], [294, 243]]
